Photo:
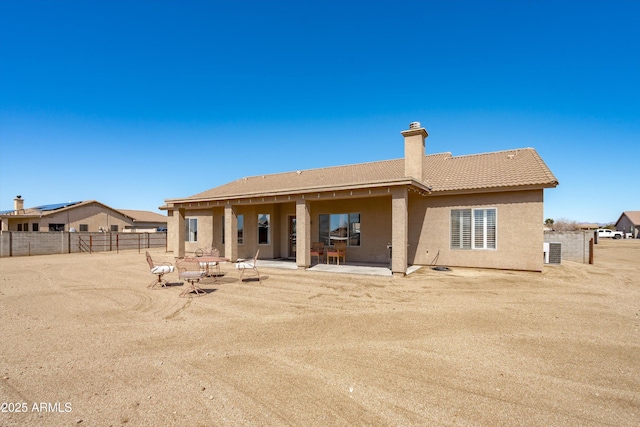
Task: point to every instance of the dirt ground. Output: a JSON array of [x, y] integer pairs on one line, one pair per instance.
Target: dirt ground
[[84, 342]]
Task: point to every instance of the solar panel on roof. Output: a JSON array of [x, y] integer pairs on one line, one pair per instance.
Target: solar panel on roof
[[55, 206]]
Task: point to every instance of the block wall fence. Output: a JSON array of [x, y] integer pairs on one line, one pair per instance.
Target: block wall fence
[[575, 244], [27, 243]]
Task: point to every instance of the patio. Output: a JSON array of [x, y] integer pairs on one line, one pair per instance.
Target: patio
[[367, 269]]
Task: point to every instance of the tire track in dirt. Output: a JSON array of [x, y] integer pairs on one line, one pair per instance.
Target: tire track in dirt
[[175, 313]]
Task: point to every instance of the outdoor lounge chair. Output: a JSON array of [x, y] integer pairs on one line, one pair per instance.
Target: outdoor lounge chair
[[339, 251], [159, 270], [189, 271], [248, 264], [317, 250]]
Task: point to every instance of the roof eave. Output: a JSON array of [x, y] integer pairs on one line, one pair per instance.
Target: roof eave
[[169, 203], [501, 189]]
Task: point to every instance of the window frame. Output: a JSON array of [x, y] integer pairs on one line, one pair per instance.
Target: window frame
[[240, 229], [188, 233], [268, 227], [351, 227], [469, 239]]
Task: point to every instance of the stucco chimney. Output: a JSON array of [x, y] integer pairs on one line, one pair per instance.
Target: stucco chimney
[[18, 204], [414, 150]]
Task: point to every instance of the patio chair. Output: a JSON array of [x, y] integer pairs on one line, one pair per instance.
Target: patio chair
[[317, 250], [189, 271], [339, 251], [248, 264], [159, 270], [206, 266]]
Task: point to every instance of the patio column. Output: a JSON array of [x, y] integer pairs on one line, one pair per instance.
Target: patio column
[[303, 234], [399, 230], [178, 232], [230, 232]]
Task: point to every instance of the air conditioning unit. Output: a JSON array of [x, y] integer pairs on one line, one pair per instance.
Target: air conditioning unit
[[552, 253]]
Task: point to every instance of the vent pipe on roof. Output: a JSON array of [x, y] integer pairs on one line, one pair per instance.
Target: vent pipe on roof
[[18, 204], [414, 151]]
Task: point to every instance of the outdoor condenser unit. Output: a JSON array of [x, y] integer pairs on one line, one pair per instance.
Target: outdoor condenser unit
[[552, 253]]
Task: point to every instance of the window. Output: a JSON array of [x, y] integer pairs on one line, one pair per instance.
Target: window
[[473, 228], [114, 228], [35, 226], [344, 227], [56, 227], [84, 227], [19, 227], [264, 223], [191, 229], [240, 229]]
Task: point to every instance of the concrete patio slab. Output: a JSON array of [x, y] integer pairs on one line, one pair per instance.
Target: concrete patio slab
[[362, 269]]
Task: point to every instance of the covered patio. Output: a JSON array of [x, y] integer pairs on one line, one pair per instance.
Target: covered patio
[[371, 269], [365, 205]]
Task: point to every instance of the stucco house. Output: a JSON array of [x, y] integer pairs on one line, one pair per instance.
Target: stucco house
[[481, 210], [629, 222], [90, 216]]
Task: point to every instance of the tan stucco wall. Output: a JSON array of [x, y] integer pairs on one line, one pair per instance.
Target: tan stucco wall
[[375, 225], [519, 229], [205, 219], [210, 227], [520, 234]]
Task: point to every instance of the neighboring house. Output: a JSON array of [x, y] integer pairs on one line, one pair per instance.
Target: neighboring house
[[79, 216], [629, 222], [144, 221], [588, 226], [481, 210]]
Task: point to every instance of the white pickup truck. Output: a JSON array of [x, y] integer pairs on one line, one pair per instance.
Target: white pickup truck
[[604, 232]]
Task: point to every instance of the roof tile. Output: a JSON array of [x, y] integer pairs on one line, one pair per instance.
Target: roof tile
[[442, 172]]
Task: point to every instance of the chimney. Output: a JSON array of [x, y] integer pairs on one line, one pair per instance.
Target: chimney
[[414, 150], [18, 204]]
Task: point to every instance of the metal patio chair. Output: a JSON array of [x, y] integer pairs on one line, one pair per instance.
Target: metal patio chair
[[189, 271], [159, 270], [248, 264]]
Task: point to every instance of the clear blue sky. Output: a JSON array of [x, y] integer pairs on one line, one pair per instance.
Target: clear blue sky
[[134, 102]]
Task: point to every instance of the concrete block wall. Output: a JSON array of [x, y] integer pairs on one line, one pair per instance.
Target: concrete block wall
[[575, 244], [26, 243], [33, 243]]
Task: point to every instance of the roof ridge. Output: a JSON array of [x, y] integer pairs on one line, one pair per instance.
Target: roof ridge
[[316, 169], [493, 152]]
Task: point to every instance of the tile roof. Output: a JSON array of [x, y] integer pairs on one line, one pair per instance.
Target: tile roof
[[442, 173], [45, 210], [512, 168], [143, 216]]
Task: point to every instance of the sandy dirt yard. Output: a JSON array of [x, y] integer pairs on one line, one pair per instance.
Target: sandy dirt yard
[[84, 342]]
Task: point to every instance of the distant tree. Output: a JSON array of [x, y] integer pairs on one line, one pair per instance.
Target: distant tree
[[549, 222], [564, 224]]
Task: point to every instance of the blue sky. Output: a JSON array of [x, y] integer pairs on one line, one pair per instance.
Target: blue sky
[[134, 102]]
